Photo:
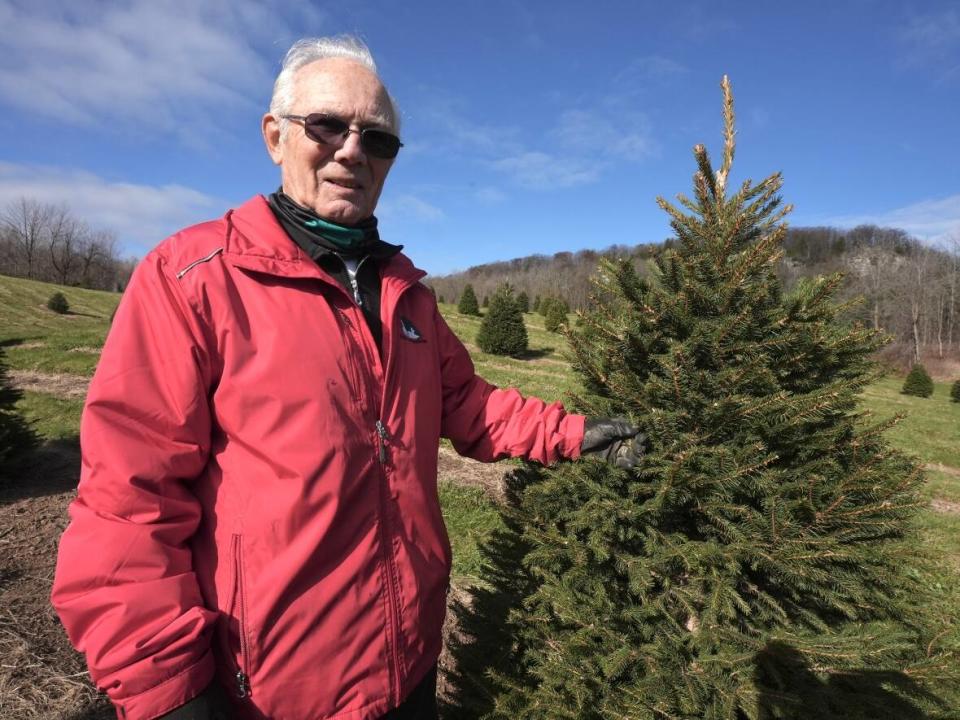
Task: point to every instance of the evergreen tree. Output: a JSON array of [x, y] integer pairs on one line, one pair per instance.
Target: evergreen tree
[[486, 301], [544, 306], [918, 382], [441, 300], [523, 302], [758, 563], [955, 391], [16, 435], [536, 304], [468, 302], [555, 317], [58, 303], [502, 331]]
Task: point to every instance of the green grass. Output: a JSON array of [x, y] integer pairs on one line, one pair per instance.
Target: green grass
[[36, 338], [53, 418], [470, 517]]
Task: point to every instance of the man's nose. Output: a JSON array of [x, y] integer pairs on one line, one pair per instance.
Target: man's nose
[[351, 150]]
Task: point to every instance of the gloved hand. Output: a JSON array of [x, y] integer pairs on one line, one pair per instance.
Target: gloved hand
[[614, 439], [211, 704]]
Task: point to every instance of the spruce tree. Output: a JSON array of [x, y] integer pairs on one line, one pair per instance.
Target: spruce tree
[[918, 382], [16, 435], [502, 331], [468, 304], [555, 318], [536, 304], [523, 302], [544, 306], [758, 563], [58, 303], [955, 391]]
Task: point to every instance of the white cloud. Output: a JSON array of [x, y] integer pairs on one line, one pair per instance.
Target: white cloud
[[490, 195], [589, 133], [541, 171], [173, 67], [139, 215], [932, 220], [933, 40], [408, 207]]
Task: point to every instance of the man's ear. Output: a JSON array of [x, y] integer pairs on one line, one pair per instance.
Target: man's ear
[[270, 127]]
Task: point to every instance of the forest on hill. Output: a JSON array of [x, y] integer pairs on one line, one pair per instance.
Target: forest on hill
[[893, 281]]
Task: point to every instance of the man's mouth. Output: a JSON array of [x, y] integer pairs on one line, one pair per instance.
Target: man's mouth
[[348, 184]]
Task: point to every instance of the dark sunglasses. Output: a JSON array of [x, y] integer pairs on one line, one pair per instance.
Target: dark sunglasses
[[329, 130]]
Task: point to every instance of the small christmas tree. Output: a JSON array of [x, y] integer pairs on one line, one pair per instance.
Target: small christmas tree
[[523, 302], [555, 318], [756, 564], [16, 435], [536, 304], [58, 303], [544, 307], [955, 391], [502, 331], [486, 301], [468, 304], [918, 382]]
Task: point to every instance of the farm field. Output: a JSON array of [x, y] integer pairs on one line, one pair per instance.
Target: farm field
[[51, 358]]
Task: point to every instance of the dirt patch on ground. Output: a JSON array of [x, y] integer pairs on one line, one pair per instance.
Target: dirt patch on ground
[[41, 676], [59, 384], [464, 471], [945, 506], [86, 350], [945, 469]]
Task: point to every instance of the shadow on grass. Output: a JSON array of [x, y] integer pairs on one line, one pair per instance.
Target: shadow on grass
[[790, 690], [534, 354], [49, 468]]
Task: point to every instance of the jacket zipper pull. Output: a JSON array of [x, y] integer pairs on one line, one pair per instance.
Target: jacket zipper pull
[[243, 685], [382, 437]]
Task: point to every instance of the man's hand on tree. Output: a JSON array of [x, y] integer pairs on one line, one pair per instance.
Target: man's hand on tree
[[614, 439]]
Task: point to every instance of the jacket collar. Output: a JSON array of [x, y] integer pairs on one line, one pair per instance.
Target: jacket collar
[[256, 241]]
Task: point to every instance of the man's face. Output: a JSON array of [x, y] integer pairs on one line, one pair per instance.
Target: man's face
[[340, 184]]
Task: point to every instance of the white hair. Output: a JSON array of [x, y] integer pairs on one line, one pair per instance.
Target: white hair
[[309, 50]]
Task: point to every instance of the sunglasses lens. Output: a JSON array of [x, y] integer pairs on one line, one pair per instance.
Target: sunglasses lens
[[380, 143], [325, 129]]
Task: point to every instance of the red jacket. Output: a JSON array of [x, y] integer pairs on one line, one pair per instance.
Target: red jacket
[[258, 496]]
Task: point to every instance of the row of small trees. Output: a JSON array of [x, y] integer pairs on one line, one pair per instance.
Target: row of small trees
[[919, 384], [47, 242]]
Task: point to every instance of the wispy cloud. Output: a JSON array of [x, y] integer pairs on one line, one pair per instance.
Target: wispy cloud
[[932, 41], [408, 207], [933, 220], [167, 67], [139, 215], [543, 171]]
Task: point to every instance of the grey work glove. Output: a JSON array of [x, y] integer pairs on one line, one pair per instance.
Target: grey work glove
[[211, 704], [614, 439]]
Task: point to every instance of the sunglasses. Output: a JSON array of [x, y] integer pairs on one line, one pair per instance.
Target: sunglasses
[[329, 130]]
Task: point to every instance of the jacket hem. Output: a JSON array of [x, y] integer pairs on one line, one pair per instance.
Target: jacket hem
[[170, 694]]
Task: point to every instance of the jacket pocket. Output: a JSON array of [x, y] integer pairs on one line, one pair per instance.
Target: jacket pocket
[[235, 621]]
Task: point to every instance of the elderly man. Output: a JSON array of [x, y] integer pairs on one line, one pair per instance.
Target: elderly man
[[257, 532]]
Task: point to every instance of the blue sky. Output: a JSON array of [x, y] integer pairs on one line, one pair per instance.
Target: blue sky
[[530, 127]]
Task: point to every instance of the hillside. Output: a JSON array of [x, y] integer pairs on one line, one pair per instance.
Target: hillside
[[902, 286]]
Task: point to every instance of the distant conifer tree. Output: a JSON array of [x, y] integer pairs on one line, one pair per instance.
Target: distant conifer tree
[[58, 303], [523, 302], [502, 331], [555, 318], [955, 391], [486, 301], [918, 382], [760, 563], [536, 304], [468, 302]]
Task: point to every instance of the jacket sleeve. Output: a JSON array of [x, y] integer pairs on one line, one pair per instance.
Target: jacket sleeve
[[486, 423], [125, 587]]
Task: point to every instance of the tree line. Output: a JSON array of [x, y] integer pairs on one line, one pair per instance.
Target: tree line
[[893, 282], [46, 241]]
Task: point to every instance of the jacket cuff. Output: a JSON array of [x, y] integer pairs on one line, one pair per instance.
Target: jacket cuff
[[211, 704], [572, 428], [172, 693]]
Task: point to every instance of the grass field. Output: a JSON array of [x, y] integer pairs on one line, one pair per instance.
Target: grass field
[[42, 346]]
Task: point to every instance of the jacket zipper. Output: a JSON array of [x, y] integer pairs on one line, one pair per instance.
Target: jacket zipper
[[240, 603], [394, 620], [352, 275]]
